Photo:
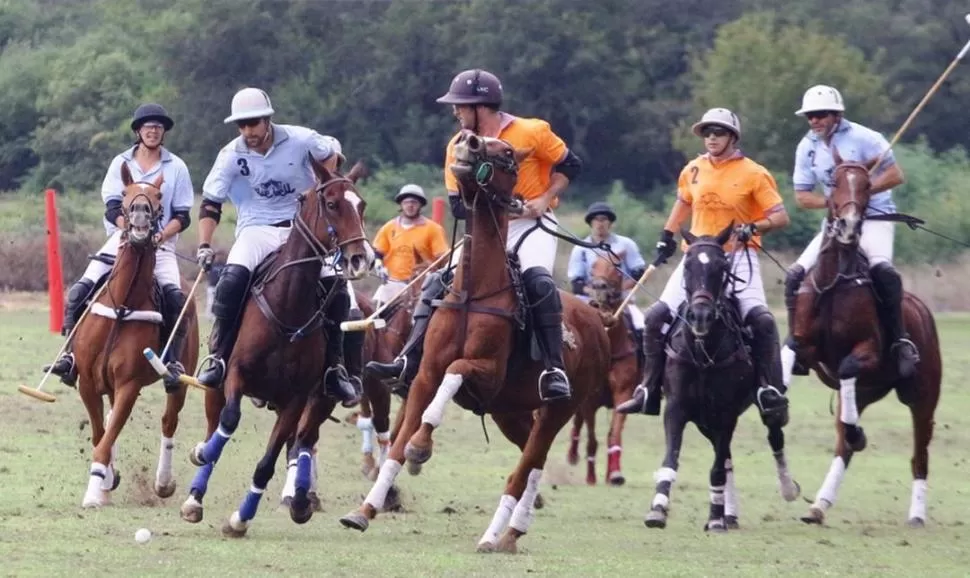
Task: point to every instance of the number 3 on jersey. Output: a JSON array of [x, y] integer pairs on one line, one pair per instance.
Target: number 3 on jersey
[[243, 167]]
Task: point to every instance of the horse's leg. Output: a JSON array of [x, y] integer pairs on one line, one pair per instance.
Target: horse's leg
[[790, 490], [94, 404], [164, 483], [621, 394], [731, 507], [220, 429], [286, 421], [674, 423], [592, 445], [572, 455], [825, 498], [721, 441], [522, 487], [365, 423], [307, 435], [124, 401], [861, 359], [289, 484], [922, 412]]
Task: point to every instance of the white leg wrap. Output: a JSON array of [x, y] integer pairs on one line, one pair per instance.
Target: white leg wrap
[[314, 470], [850, 413], [289, 486], [524, 511], [660, 500], [163, 475], [436, 409], [830, 487], [383, 447], [665, 475], [787, 363], [366, 427], [501, 519], [94, 495], [389, 471], [717, 495], [730, 492], [917, 501]]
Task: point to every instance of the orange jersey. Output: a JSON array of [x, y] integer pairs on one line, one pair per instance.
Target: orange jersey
[[399, 244], [531, 134], [737, 189]]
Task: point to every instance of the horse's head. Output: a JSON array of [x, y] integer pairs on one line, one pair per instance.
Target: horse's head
[[850, 195], [486, 165], [606, 282], [331, 217], [141, 205], [706, 269]]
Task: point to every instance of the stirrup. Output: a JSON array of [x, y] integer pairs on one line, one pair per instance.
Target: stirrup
[[212, 362], [558, 396], [904, 342]]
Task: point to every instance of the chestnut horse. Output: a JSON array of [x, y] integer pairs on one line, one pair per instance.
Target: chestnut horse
[[838, 332], [475, 352], [125, 320], [279, 356], [605, 291]]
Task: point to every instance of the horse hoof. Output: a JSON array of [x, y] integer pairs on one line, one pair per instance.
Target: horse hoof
[[355, 521], [791, 491], [414, 468], [855, 439], [617, 479], [392, 501], [731, 523], [485, 548], [316, 504], [90, 502], [195, 456], [590, 480], [234, 527], [656, 518], [715, 526], [368, 465], [916, 523], [300, 515], [814, 516], [117, 481], [539, 502], [191, 511], [416, 455], [507, 544], [165, 490]]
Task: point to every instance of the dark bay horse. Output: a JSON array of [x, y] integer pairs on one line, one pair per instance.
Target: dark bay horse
[[709, 380], [279, 356], [124, 320], [605, 291], [475, 353], [839, 334]]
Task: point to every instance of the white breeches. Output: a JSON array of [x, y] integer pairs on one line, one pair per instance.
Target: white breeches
[[750, 289], [538, 249], [636, 316], [255, 242], [388, 291], [166, 267], [876, 242]]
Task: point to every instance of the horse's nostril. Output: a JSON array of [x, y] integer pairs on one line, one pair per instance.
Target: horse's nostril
[[356, 262]]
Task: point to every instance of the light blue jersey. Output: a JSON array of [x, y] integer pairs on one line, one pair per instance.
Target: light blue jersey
[[264, 188], [177, 194], [581, 259], [814, 163]]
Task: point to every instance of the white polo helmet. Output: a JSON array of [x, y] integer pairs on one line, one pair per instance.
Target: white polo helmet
[[718, 117], [821, 98], [411, 190], [337, 148], [250, 103]]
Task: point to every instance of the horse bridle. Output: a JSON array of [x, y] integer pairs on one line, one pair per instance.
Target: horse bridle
[[834, 227], [484, 170], [154, 214], [703, 294], [336, 245]]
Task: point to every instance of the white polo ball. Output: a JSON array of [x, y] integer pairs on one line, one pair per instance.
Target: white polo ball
[[143, 535]]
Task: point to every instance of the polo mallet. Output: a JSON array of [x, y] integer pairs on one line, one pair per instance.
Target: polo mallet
[[929, 94], [156, 360], [633, 290], [373, 320], [36, 393]]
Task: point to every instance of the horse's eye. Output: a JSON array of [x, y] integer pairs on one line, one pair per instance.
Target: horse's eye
[[331, 206]]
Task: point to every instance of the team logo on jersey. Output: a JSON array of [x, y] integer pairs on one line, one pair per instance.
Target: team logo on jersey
[[273, 188]]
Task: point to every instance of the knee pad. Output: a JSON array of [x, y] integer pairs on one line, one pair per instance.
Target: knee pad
[[231, 290], [538, 282], [433, 287], [656, 316], [80, 292], [793, 280], [174, 299], [760, 320], [887, 276]]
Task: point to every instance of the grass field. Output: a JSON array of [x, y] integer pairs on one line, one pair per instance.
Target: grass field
[[583, 531]]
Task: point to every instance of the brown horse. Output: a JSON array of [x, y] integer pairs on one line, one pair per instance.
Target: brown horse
[[474, 353], [108, 344], [605, 292], [279, 357], [838, 333]]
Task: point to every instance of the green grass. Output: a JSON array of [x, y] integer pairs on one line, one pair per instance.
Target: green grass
[[583, 531]]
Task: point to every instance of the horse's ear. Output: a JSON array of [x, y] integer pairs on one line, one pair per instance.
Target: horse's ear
[[725, 233], [522, 154], [126, 175], [688, 236], [836, 157], [323, 175], [157, 183], [357, 172]]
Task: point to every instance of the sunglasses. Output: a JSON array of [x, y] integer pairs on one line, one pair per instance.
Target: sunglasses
[[715, 131], [153, 126], [817, 115], [248, 122]]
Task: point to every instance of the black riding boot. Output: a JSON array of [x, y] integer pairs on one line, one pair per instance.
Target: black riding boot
[[336, 382], [402, 370], [889, 288], [646, 397], [227, 309], [770, 392], [793, 280], [173, 301], [547, 324], [77, 298]]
